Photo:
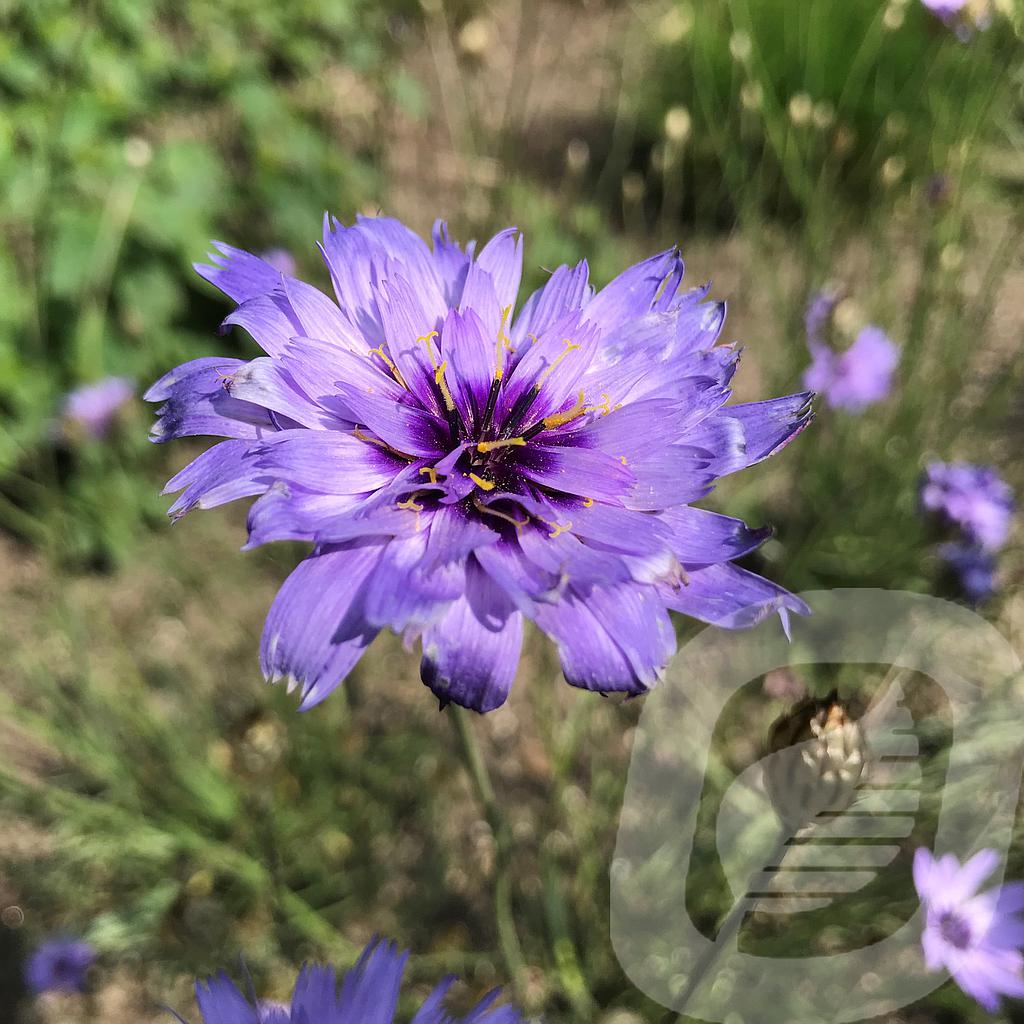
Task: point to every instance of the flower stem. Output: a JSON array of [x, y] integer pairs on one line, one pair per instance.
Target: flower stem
[[476, 769], [727, 930]]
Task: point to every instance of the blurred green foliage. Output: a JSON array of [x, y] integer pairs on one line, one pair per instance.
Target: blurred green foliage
[[775, 108], [131, 133]]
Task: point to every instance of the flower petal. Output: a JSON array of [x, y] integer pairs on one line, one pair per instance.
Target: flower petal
[[470, 656], [316, 630], [220, 1002]]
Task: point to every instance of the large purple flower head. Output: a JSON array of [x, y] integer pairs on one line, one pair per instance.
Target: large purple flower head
[[460, 468], [977, 938], [975, 498], [93, 408], [860, 376], [59, 965], [368, 995]]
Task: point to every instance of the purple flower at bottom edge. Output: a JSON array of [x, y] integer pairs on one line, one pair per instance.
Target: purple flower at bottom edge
[[460, 468], [860, 376], [368, 994], [94, 407], [977, 938], [945, 9], [975, 568], [973, 497], [59, 965]]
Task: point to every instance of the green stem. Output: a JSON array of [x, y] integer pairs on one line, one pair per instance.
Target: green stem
[[727, 931], [476, 769]]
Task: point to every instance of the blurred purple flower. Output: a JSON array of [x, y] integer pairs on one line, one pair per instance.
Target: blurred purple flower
[[819, 315], [94, 407], [59, 965], [459, 470], [860, 376], [975, 568], [977, 938], [368, 995], [965, 17], [975, 498], [281, 260]]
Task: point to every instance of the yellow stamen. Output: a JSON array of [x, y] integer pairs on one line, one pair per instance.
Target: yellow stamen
[[487, 510], [588, 502], [484, 485], [430, 472], [389, 362], [557, 529], [504, 344], [439, 380], [622, 459], [489, 446], [605, 407], [533, 338], [569, 347], [561, 418], [359, 435], [426, 339], [410, 504]]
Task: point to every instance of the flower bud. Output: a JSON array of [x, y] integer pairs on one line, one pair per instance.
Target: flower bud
[[816, 759]]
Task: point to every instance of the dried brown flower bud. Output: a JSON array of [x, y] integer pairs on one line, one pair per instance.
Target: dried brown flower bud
[[817, 756]]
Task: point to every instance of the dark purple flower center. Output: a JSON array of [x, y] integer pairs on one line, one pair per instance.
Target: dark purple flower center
[[954, 929]]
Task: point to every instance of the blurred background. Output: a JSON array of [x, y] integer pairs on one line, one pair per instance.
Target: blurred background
[[831, 165]]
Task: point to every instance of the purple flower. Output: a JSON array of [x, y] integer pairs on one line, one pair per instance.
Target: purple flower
[[947, 10], [94, 407], [460, 470], [975, 567], [368, 995], [977, 938], [819, 315], [59, 965], [860, 376], [975, 498], [963, 16]]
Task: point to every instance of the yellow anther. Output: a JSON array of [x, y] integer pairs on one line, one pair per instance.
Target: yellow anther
[[449, 402], [561, 418], [503, 345], [622, 459], [605, 407], [484, 485], [430, 472], [533, 338], [487, 510], [411, 504], [569, 347], [588, 502], [389, 363], [489, 446], [557, 529], [426, 339]]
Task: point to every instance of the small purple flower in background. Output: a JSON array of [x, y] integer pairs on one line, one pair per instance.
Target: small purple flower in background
[[860, 376], [974, 498], [368, 995], [975, 568], [93, 408], [977, 938], [459, 468], [59, 965], [965, 17], [818, 316], [281, 260]]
